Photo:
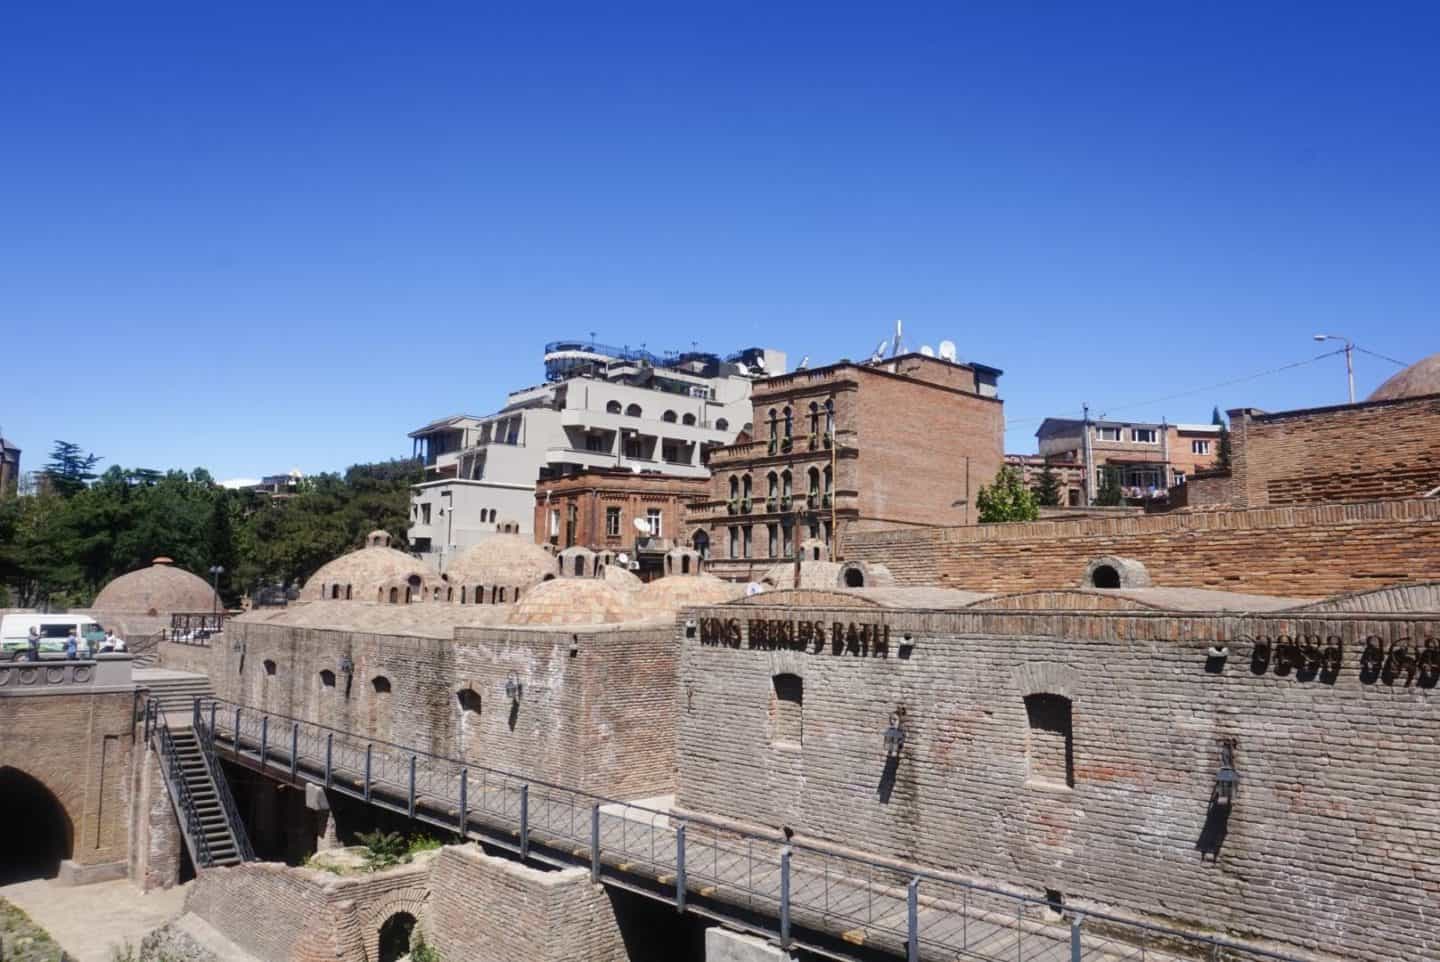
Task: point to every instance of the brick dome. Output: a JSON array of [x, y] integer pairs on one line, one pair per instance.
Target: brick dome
[[667, 595], [575, 601], [367, 574], [620, 578], [161, 588], [505, 559], [1417, 380]]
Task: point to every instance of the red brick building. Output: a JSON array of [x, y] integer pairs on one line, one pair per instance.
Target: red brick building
[[598, 509], [906, 441], [1144, 458]]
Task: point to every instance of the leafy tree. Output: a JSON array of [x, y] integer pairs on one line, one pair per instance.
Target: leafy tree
[[1007, 499], [1109, 495], [68, 469], [1047, 489], [1222, 447]]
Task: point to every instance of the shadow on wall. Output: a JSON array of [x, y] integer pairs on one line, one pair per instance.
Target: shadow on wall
[[37, 834]]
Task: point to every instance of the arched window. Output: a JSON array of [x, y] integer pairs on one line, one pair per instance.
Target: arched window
[[517, 592], [380, 684], [469, 700], [745, 488], [785, 490], [462, 594], [813, 490], [633, 411], [814, 422], [829, 419], [395, 595], [347, 592], [774, 432], [502, 596], [668, 417], [269, 667], [828, 480], [1105, 576], [395, 936], [854, 578], [612, 407], [788, 422], [449, 594], [701, 540], [579, 565], [787, 710], [685, 564], [688, 419], [407, 594], [327, 678], [772, 491], [334, 592], [722, 425], [1050, 745], [734, 488]]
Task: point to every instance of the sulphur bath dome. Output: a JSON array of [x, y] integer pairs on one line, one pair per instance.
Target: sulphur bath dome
[[161, 588], [1417, 380], [376, 572]]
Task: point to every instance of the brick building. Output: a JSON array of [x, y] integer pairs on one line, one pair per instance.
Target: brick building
[[1144, 458], [1069, 475], [9, 468], [850, 447], [598, 509]]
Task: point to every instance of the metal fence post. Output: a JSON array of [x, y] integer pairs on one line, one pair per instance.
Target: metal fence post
[[235, 742], [680, 869], [785, 898], [412, 786], [912, 913], [195, 712], [1076, 950], [369, 748], [524, 821], [329, 757], [294, 748], [212, 724], [264, 738], [464, 801], [595, 842]]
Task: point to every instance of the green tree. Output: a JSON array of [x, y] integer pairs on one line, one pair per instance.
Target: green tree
[[68, 469], [1222, 446], [1047, 489], [1006, 499], [1109, 495]]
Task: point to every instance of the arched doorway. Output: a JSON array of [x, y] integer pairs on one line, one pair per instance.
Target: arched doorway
[[395, 936], [38, 833]]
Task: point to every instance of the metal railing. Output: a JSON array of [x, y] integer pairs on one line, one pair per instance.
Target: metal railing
[[805, 895], [205, 735], [157, 733]]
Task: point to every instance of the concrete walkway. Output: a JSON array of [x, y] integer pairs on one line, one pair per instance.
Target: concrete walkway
[[88, 920]]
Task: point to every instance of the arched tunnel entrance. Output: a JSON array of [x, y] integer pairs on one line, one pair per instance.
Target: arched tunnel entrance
[[395, 937], [38, 834]]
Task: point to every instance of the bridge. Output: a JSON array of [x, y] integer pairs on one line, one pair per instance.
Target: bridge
[[842, 905]]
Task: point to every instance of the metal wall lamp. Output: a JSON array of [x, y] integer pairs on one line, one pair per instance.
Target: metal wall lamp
[[347, 666], [513, 688], [1227, 780], [895, 733]]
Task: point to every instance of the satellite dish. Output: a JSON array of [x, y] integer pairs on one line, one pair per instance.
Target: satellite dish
[[804, 363], [740, 366], [927, 350], [759, 362], [623, 558], [754, 588], [641, 525], [947, 351]]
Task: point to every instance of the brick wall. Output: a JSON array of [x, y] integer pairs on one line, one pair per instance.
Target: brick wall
[[1331, 847], [155, 853], [487, 909], [1302, 551], [1360, 452], [600, 719]]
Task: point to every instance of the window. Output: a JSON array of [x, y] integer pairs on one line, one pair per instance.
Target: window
[[1179, 477], [774, 536], [772, 491], [829, 419], [668, 417], [380, 684], [688, 419], [633, 447], [1143, 435], [1199, 447], [813, 497], [814, 419], [612, 522], [1050, 746], [327, 678], [787, 710], [595, 442], [554, 522], [633, 411], [788, 423], [652, 518], [734, 488], [734, 542], [269, 667], [469, 700], [745, 546], [787, 539], [1108, 434], [722, 425], [424, 514], [612, 407]]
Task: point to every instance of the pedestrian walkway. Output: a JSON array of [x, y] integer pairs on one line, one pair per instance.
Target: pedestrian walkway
[[88, 921]]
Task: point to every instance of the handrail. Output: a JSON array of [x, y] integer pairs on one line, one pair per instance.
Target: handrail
[[205, 735], [815, 882], [174, 777]]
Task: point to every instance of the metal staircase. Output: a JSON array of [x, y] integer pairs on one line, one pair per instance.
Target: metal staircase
[[209, 819]]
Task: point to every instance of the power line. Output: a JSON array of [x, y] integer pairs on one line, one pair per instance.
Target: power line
[[1381, 356], [1202, 390]]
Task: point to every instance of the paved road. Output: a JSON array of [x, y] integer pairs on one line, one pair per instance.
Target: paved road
[[88, 920]]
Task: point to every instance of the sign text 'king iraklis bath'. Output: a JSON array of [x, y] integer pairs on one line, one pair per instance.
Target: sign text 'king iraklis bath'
[[769, 634]]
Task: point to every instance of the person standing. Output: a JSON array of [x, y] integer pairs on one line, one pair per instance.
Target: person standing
[[34, 641], [72, 646]]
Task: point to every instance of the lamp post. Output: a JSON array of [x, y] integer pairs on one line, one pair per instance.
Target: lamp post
[[1349, 359], [215, 572]]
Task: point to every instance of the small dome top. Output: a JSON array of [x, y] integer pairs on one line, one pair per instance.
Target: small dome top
[[162, 587], [1417, 380], [574, 601], [621, 578], [162, 560], [501, 559], [364, 571], [575, 561], [667, 595]]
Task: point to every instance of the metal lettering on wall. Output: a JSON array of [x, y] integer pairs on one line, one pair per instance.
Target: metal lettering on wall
[[1402, 661], [856, 639]]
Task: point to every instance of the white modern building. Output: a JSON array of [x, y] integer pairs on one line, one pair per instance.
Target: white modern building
[[600, 407]]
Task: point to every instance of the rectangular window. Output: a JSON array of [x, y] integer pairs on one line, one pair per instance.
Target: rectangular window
[[734, 542], [1108, 434], [633, 448], [424, 514], [652, 518], [787, 543], [745, 547], [1143, 435], [554, 522], [612, 522], [1199, 447], [1179, 477], [774, 540], [594, 442]]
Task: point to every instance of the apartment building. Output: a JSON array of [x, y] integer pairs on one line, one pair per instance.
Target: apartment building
[[1145, 458], [9, 468], [600, 408], [906, 440]]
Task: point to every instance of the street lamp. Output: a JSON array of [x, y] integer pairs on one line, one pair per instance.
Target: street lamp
[[215, 572], [1349, 358]]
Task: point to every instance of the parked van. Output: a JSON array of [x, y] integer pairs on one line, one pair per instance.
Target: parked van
[[15, 634]]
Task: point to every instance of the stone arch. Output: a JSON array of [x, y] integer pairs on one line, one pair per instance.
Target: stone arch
[[411, 901], [1110, 571], [49, 834]]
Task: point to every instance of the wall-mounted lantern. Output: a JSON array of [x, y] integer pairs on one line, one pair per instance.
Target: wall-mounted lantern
[[1227, 780], [347, 666], [513, 688], [895, 733]]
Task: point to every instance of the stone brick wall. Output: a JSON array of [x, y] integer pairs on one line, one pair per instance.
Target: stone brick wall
[[487, 909], [1302, 551], [1360, 452], [155, 854], [180, 657], [596, 710], [1331, 847], [1204, 492]]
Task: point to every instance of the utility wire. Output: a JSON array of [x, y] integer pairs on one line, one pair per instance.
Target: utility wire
[[1381, 356]]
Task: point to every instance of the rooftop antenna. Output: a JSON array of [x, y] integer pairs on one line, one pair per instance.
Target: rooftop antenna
[[927, 350], [895, 347], [876, 357], [804, 363], [947, 351]]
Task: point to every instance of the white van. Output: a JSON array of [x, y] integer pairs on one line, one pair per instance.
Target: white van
[[15, 634]]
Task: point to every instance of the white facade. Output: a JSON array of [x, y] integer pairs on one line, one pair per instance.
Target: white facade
[[616, 411]]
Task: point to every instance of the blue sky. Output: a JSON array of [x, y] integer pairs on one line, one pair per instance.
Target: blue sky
[[262, 236]]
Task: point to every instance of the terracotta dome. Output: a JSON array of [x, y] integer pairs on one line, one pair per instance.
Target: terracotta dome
[[668, 595], [505, 559], [1417, 380], [366, 574], [575, 601], [621, 578], [160, 588]]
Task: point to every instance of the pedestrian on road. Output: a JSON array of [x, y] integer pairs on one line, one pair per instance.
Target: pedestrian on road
[[34, 642], [72, 646]]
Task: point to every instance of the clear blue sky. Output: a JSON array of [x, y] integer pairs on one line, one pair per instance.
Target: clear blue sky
[[262, 236]]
